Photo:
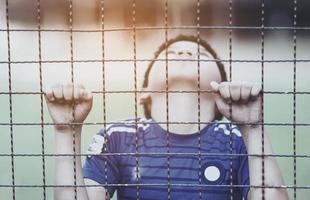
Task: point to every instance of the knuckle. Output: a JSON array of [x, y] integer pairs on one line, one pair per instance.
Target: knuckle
[[223, 85], [78, 86], [224, 94], [47, 90], [248, 87], [234, 85], [68, 84], [81, 86], [76, 91], [81, 92], [57, 85]]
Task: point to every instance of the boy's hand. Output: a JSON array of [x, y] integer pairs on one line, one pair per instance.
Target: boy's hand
[[244, 99], [61, 99]]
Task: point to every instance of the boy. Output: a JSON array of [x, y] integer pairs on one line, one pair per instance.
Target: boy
[[174, 160]]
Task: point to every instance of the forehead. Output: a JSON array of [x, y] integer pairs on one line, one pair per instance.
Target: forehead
[[186, 45]]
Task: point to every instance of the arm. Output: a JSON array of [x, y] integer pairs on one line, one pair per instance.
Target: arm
[[60, 99], [253, 140], [64, 165], [242, 103]]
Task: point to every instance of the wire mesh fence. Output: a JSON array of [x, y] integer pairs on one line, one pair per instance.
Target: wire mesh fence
[[107, 46]]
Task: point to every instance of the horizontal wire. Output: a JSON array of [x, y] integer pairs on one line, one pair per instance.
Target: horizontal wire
[[149, 60], [162, 28], [157, 154], [150, 91], [133, 123], [157, 184]]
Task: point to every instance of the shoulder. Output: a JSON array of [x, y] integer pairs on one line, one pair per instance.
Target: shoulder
[[116, 133], [124, 126], [225, 137], [227, 132], [227, 129]]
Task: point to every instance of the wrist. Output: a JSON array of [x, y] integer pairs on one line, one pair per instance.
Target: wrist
[[256, 125], [251, 130], [68, 129]]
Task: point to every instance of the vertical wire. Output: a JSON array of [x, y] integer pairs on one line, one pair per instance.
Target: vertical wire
[[73, 104], [102, 11], [294, 98], [135, 85], [262, 86], [198, 85], [230, 107], [167, 103], [41, 95], [10, 96]]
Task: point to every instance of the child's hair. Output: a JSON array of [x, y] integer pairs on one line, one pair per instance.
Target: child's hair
[[165, 45]]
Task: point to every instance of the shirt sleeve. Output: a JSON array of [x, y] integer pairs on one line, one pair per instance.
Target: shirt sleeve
[[99, 165], [243, 171]]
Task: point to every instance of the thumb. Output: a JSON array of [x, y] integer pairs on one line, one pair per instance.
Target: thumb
[[222, 106], [214, 86]]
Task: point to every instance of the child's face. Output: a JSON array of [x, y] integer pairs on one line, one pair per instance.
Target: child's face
[[184, 72]]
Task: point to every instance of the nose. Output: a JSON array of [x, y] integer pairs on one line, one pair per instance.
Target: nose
[[188, 53]]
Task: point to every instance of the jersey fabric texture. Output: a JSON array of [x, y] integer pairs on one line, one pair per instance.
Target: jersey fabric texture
[[184, 174]]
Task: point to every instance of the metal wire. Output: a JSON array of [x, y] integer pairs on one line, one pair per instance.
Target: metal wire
[[230, 3], [294, 96], [73, 104], [199, 97], [170, 122], [10, 97], [306, 187], [262, 86], [211, 27], [149, 60], [167, 102], [159, 154], [156, 91], [102, 11], [41, 97], [135, 86]]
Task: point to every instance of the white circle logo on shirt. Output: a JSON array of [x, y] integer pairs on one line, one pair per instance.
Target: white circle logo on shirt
[[212, 173]]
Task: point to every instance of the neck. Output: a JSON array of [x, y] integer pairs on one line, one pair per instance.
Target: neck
[[183, 107]]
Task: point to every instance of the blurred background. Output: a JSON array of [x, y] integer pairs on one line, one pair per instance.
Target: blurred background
[[118, 45]]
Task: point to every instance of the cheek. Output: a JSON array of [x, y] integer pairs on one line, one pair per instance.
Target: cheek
[[157, 75]]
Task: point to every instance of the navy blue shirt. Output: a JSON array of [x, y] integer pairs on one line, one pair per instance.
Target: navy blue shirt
[[184, 174]]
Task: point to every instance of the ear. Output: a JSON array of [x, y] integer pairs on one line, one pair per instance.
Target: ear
[[144, 97]]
